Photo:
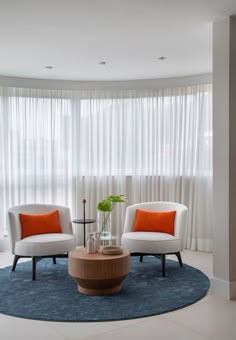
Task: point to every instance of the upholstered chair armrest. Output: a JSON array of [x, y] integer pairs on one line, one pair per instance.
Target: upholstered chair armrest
[[14, 229], [180, 224], [129, 219], [65, 219]]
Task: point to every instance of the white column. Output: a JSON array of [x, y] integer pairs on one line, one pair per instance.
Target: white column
[[224, 158]]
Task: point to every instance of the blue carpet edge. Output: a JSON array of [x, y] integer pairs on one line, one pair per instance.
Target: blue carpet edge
[[205, 293]]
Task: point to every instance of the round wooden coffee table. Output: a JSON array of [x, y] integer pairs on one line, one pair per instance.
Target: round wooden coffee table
[[98, 274]]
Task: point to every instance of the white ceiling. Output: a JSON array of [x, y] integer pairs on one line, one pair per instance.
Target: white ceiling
[[73, 36]]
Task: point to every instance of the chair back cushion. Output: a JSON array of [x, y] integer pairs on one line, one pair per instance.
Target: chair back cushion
[[34, 224], [155, 221]]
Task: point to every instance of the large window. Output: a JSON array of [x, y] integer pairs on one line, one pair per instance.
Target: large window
[[155, 135], [63, 146]]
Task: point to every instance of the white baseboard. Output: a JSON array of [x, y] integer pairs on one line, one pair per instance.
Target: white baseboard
[[225, 289]]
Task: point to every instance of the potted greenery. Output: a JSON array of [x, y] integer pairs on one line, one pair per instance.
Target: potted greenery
[[105, 208]]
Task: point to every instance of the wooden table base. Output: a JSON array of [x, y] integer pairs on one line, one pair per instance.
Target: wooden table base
[[98, 274], [105, 291]]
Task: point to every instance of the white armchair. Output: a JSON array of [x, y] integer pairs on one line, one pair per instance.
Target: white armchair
[[40, 245], [158, 244]]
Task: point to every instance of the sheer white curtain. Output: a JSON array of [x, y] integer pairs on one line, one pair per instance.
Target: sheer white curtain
[[63, 146], [37, 140]]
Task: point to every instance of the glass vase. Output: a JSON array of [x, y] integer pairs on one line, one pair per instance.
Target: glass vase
[[104, 225]]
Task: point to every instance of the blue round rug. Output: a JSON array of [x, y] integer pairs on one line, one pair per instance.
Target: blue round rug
[[54, 296]]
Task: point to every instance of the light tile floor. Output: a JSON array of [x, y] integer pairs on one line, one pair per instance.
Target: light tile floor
[[208, 319]]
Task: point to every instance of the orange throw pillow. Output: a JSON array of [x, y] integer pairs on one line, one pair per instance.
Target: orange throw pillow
[[39, 224], [155, 221]]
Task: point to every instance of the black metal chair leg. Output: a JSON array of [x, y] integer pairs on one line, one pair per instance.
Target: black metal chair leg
[[16, 258], [34, 260], [179, 258], [163, 262], [54, 260], [141, 258]]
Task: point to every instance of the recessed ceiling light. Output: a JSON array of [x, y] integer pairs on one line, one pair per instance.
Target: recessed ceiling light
[[102, 63], [162, 58], [49, 67]]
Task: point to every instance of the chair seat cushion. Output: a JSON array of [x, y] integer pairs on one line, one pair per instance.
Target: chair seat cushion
[[45, 244], [150, 242]]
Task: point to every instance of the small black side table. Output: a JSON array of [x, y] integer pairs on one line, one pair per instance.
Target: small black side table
[[84, 222]]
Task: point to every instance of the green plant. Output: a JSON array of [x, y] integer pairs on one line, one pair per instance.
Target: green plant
[[107, 206]]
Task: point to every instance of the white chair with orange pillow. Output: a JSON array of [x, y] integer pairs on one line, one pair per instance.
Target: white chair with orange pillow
[[38, 231], [155, 228]]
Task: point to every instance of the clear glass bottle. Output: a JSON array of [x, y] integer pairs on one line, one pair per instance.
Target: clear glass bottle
[[96, 241], [90, 243]]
